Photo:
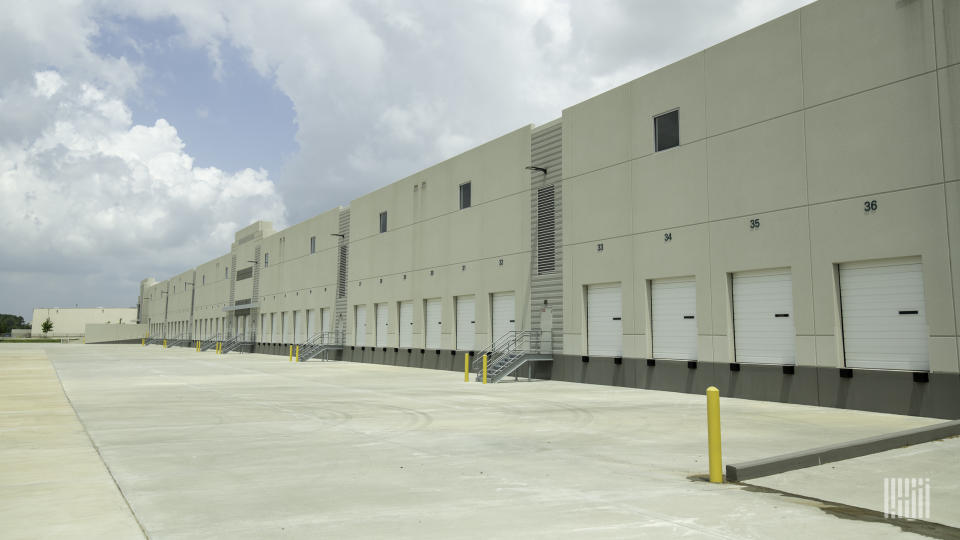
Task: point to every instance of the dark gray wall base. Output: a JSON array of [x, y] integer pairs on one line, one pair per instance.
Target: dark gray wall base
[[428, 359], [135, 341], [283, 349], [837, 452], [868, 390], [443, 359], [893, 392]]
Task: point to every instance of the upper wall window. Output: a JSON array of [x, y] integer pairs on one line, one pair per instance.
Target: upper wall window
[[666, 128], [383, 222], [246, 273], [313, 244], [226, 272], [266, 260], [465, 195], [203, 280]]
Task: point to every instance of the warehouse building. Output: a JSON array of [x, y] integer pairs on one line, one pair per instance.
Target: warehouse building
[[778, 215], [71, 322]]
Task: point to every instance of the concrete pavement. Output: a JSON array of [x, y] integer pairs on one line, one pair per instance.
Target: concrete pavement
[[252, 446]]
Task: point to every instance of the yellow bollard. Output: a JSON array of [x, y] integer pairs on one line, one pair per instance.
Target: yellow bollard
[[143, 342], [466, 367], [713, 434], [484, 369], [291, 353], [298, 353], [164, 344]]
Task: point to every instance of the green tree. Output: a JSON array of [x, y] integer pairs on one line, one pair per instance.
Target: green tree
[[10, 322], [46, 326]]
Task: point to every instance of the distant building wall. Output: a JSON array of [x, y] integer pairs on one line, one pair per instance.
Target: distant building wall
[[71, 321], [106, 333]]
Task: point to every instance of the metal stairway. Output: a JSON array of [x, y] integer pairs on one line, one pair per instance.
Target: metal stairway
[[320, 343], [509, 352], [231, 344], [180, 341], [210, 343], [155, 340]]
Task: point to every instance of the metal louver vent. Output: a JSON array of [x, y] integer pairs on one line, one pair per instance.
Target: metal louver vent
[[342, 272], [546, 229]]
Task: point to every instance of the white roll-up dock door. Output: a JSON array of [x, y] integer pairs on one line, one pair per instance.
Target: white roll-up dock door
[[764, 332], [432, 313], [325, 320], [504, 314], [466, 323], [884, 315], [406, 324], [604, 320], [360, 326], [674, 322], [382, 316]]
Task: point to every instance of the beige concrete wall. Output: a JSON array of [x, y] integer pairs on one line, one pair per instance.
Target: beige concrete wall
[[181, 298], [212, 293], [103, 333], [795, 123], [71, 321], [433, 249], [295, 280]]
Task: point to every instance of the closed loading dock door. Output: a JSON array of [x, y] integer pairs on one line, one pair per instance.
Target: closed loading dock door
[[381, 325], [604, 320], [432, 323], [466, 323], [674, 323], [311, 323], [360, 326], [884, 319], [504, 314], [763, 317], [325, 320], [406, 324]]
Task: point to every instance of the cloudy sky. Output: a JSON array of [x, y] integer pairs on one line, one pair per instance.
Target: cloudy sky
[[137, 136]]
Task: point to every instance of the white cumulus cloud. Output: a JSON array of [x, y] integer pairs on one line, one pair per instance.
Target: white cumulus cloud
[[93, 190]]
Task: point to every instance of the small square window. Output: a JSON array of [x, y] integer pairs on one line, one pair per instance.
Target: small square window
[[313, 244], [266, 260], [465, 195], [666, 129], [383, 222]]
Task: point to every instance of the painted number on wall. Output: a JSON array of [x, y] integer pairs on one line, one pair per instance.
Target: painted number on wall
[[755, 223], [667, 237], [870, 206]]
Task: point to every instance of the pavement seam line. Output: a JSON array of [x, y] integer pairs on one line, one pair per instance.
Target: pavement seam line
[[96, 448]]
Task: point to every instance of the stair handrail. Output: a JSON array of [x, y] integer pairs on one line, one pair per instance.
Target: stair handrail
[[325, 337], [230, 344], [322, 340], [501, 344], [505, 344], [210, 341], [525, 343]]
